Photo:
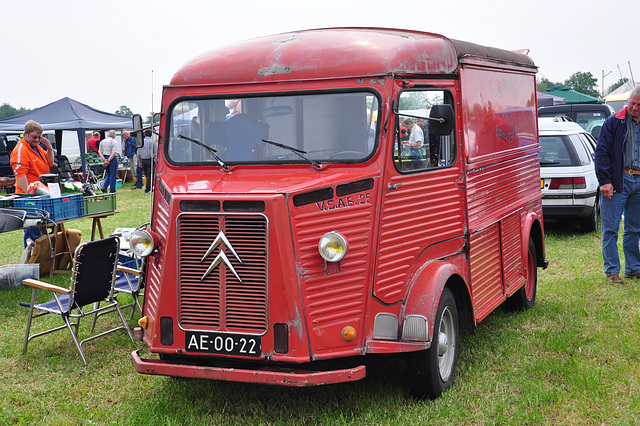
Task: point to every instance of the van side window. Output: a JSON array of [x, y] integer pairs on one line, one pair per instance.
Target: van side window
[[416, 146]]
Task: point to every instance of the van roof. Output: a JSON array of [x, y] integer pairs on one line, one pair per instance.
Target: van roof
[[340, 52]]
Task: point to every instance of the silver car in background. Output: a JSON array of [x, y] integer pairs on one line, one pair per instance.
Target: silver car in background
[[569, 182]]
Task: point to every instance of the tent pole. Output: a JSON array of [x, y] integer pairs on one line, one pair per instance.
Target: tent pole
[[82, 141]]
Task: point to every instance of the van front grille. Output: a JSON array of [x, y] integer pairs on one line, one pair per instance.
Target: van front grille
[[222, 272]]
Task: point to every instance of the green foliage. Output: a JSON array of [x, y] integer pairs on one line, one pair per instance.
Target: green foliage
[[124, 111], [583, 82], [617, 84], [155, 122], [419, 100], [571, 359], [544, 83], [7, 111]]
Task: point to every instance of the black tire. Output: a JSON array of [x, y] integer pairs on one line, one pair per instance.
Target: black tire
[[432, 371], [592, 222], [525, 297]]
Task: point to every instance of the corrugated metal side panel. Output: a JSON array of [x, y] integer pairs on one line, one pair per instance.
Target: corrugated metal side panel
[[154, 270], [339, 297], [424, 209], [511, 238], [486, 270], [496, 190]]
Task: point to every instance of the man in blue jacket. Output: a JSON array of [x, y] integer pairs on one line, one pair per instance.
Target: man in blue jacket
[[617, 164], [129, 142]]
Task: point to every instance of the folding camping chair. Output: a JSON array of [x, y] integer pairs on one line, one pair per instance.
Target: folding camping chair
[[65, 171], [92, 281], [130, 283]]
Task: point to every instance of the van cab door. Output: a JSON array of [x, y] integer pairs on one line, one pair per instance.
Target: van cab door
[[422, 202]]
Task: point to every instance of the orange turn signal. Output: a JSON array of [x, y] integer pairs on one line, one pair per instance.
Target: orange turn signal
[[348, 333], [142, 322]]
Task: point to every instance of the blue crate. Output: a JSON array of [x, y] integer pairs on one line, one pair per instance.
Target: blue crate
[[68, 206], [7, 201], [128, 261]]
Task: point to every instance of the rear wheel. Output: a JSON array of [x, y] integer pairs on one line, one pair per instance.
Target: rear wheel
[[432, 371], [592, 222], [525, 298]]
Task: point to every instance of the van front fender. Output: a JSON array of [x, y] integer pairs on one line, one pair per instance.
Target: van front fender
[[427, 287]]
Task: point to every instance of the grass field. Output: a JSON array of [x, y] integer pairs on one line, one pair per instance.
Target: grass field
[[572, 359]]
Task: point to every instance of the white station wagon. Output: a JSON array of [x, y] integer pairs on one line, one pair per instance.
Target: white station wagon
[[569, 182]]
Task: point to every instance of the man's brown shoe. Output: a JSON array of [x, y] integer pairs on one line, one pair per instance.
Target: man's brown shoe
[[632, 275], [615, 279]]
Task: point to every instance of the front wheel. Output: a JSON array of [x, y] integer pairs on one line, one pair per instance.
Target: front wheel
[[432, 371]]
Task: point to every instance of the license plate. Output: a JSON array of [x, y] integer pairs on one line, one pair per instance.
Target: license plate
[[222, 343]]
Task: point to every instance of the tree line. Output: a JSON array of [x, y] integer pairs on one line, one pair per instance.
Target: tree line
[[583, 82], [7, 111]]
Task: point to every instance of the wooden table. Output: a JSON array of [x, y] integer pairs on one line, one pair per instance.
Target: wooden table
[[59, 227]]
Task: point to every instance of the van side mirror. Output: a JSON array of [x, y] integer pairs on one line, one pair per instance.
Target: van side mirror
[[441, 120], [137, 130]]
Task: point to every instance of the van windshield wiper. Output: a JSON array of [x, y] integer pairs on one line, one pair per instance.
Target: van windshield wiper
[[546, 163], [296, 151], [208, 148]]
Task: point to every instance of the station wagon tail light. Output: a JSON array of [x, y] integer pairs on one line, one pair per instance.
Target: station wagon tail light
[[332, 247], [568, 183], [143, 242]]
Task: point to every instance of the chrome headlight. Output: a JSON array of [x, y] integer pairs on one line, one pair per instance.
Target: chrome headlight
[[143, 242], [332, 247]]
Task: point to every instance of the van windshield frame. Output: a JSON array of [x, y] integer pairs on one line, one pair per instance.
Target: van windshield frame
[[274, 128]]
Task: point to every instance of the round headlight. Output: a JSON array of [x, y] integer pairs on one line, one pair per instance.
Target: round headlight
[[332, 247], [143, 242]]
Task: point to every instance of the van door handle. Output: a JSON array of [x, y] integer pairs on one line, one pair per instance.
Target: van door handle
[[394, 186]]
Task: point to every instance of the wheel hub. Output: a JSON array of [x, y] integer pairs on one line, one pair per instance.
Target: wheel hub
[[443, 343]]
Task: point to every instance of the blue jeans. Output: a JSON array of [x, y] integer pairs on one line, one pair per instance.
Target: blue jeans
[[111, 175], [611, 210], [138, 174]]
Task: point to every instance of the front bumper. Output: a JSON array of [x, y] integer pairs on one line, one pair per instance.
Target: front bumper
[[266, 375]]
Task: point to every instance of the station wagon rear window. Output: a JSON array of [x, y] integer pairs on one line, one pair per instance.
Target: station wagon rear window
[[305, 128], [563, 150]]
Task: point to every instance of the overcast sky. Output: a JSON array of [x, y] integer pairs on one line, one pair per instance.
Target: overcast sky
[[121, 52]]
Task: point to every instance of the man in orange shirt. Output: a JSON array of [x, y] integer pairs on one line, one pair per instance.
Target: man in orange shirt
[[28, 161]]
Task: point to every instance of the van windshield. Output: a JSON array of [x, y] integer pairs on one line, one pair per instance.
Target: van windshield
[[324, 127]]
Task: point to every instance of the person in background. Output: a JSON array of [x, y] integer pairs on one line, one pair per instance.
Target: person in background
[[129, 142], [234, 106], [29, 160], [107, 151], [136, 157], [412, 147], [147, 155], [617, 161], [93, 142], [138, 184]]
